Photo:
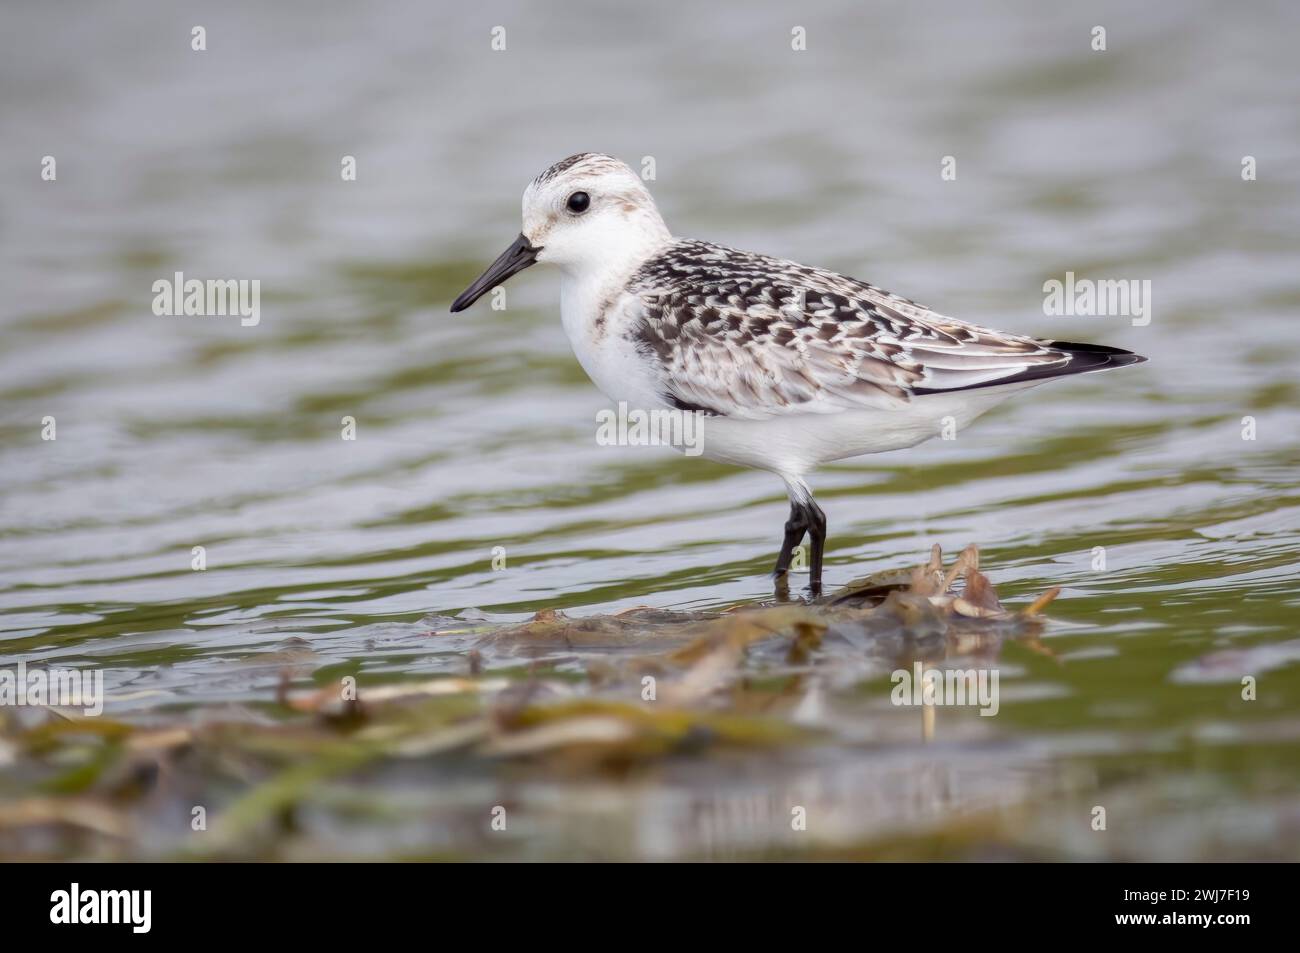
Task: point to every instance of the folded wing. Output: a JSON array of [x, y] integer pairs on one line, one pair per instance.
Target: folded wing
[[747, 336]]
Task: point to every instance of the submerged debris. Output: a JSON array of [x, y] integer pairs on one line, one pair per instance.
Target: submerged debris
[[597, 694]]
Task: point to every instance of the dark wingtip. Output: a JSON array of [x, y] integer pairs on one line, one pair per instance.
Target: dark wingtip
[[1084, 358], [1091, 357]]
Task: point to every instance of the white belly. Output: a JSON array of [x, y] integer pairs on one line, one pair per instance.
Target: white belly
[[800, 443]]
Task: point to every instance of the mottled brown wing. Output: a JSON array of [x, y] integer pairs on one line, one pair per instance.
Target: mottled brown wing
[[747, 336]]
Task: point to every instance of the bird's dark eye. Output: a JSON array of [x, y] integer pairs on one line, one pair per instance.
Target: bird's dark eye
[[579, 202]]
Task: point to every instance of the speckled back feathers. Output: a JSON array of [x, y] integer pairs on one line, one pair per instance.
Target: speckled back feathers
[[746, 335]]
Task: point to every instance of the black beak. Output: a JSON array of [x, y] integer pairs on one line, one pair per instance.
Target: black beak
[[511, 261]]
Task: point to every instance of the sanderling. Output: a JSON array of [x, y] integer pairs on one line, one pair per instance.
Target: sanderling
[[793, 366]]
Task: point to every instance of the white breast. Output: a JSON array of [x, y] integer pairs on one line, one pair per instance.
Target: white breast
[[597, 319]]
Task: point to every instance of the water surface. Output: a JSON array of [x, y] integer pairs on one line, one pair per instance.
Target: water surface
[[477, 431]]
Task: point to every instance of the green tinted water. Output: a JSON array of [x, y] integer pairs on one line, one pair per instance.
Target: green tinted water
[[1175, 540]]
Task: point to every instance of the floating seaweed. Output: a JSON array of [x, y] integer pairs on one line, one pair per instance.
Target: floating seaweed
[[600, 699]]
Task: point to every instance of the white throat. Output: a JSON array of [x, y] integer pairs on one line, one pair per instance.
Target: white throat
[[597, 313], [594, 272]]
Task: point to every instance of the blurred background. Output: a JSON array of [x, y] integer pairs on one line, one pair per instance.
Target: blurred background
[[477, 430]]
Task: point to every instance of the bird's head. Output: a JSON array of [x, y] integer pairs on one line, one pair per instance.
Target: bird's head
[[589, 211]]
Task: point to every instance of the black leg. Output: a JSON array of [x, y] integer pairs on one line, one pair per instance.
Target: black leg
[[806, 517], [817, 535], [795, 527]]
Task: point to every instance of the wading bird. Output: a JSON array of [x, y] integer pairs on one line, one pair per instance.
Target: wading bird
[[793, 366]]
